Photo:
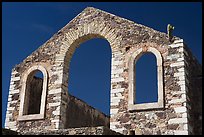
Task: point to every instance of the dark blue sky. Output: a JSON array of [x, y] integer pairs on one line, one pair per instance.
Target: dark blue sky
[[26, 26]]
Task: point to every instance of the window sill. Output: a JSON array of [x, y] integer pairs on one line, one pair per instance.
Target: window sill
[[145, 106], [31, 117]]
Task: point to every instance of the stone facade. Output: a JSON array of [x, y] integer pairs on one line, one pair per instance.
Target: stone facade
[[176, 111]]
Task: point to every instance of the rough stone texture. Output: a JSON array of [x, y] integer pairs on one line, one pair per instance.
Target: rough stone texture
[[181, 113], [70, 131], [75, 131]]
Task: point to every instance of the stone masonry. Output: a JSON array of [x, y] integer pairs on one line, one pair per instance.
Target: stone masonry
[[179, 106]]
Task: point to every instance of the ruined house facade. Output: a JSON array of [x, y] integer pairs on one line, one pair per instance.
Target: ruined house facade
[[42, 104]]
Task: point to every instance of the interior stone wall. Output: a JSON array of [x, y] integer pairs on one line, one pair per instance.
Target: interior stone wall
[[35, 90], [80, 114]]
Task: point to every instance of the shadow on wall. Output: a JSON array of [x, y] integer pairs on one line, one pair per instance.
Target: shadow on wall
[[79, 114]]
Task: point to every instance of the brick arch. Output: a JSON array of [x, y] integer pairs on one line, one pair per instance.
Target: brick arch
[[83, 33], [73, 38]]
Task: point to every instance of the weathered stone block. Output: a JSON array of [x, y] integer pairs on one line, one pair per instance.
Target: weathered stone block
[[180, 109], [177, 120]]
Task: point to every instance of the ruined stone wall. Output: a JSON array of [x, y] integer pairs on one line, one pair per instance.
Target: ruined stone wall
[[182, 112], [80, 114], [13, 106], [126, 39], [124, 36], [172, 118]]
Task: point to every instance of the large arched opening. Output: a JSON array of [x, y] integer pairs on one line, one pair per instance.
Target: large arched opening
[[89, 74], [89, 83]]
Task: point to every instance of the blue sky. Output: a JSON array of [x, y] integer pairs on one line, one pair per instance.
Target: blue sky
[[26, 26]]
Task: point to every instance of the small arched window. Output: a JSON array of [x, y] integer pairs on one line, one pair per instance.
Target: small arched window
[[132, 102], [33, 95], [146, 79]]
